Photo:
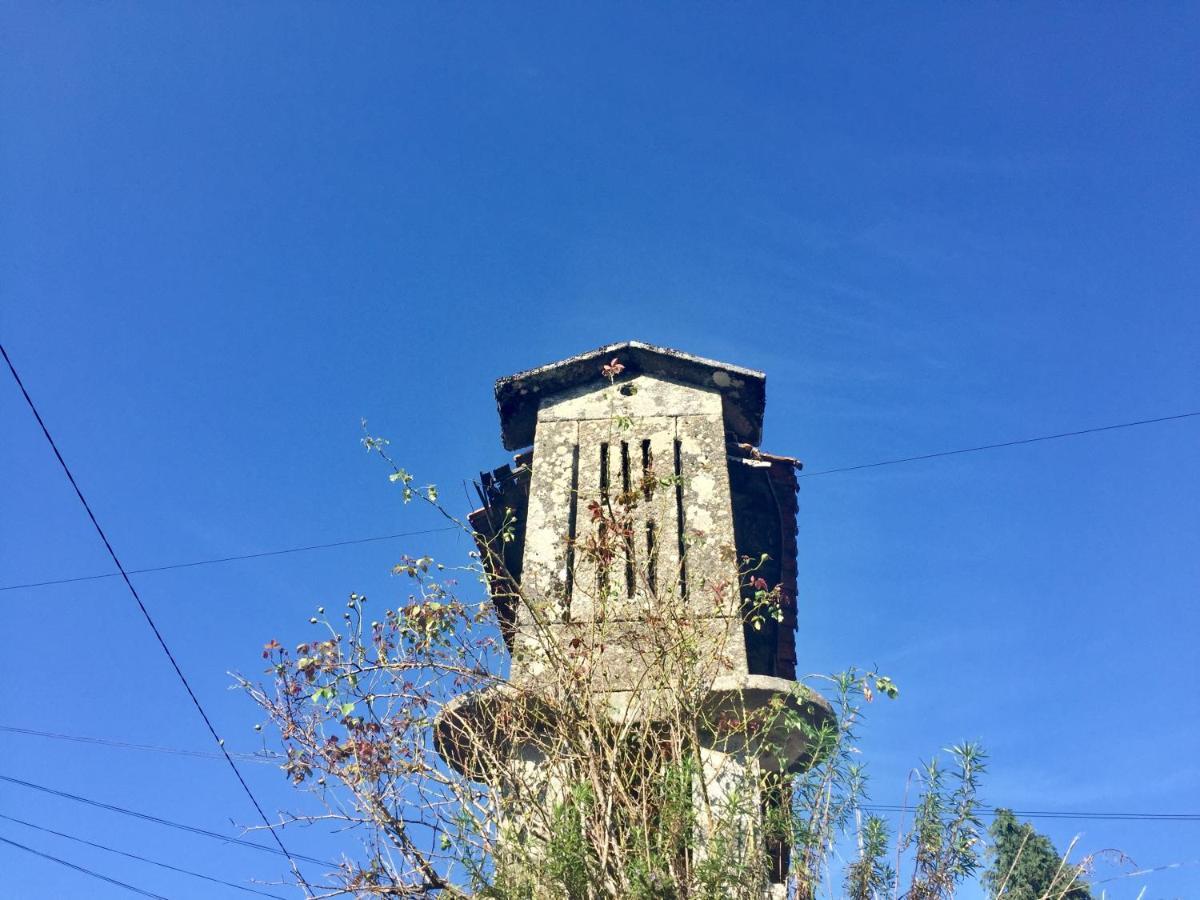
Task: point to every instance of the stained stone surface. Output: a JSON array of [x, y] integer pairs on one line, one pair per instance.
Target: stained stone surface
[[670, 447], [654, 450]]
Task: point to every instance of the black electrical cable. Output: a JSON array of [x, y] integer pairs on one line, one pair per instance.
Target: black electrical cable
[[1058, 814], [158, 820], [868, 807], [153, 627], [227, 559], [386, 537], [90, 872], [263, 757], [153, 862], [1032, 440]]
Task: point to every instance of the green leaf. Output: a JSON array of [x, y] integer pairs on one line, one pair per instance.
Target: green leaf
[[885, 685], [347, 708]]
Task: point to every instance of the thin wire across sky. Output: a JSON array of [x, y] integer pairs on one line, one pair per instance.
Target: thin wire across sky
[[262, 554]]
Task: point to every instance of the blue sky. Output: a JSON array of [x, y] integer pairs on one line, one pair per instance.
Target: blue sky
[[230, 231]]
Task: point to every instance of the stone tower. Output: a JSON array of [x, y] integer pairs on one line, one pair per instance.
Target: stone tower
[[706, 520]]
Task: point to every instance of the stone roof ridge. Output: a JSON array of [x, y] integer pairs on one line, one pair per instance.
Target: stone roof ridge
[[743, 390]]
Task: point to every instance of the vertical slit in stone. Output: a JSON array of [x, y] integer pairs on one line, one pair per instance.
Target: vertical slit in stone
[[604, 474], [647, 472], [625, 503], [679, 519], [773, 804], [604, 555], [652, 557], [572, 519]]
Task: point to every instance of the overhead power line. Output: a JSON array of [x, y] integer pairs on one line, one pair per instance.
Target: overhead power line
[[997, 446], [869, 807], [150, 621], [387, 537], [158, 820], [228, 559], [153, 862], [263, 757], [1137, 873], [89, 872], [1059, 814]]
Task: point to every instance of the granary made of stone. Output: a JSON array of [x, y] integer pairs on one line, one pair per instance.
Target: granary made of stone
[[680, 430], [670, 440]]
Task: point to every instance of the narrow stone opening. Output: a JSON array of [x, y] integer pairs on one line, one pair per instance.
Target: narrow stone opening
[[776, 800], [572, 527], [647, 472], [652, 557], [626, 504], [603, 555], [681, 524]]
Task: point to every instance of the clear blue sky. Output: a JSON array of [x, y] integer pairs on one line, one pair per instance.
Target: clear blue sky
[[229, 231]]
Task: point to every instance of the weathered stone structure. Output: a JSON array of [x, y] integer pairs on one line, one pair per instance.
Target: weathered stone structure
[[665, 443]]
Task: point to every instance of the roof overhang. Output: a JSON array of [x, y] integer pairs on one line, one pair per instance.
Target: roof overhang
[[743, 391]]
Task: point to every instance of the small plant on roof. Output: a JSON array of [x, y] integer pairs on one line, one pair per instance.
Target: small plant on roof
[[611, 370]]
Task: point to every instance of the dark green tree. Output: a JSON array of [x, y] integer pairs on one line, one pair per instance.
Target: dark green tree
[[1026, 866]]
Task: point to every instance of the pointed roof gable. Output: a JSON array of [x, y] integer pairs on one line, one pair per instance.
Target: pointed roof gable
[[743, 391]]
